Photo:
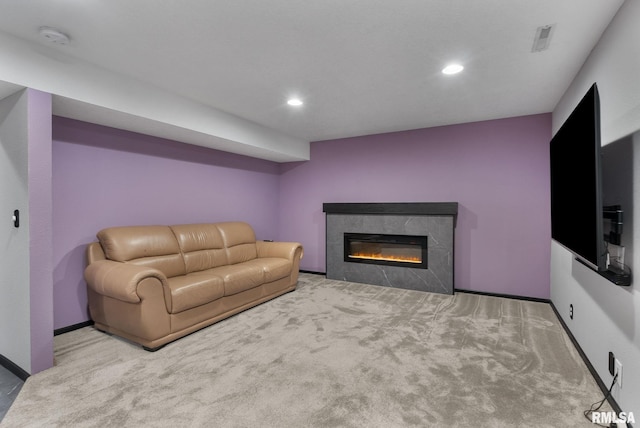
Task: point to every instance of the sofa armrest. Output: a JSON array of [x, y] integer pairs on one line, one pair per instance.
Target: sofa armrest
[[284, 250], [119, 280]]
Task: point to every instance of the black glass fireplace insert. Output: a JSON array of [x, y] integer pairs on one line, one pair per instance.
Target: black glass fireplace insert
[[389, 250]]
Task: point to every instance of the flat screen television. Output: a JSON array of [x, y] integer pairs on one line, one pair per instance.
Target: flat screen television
[[576, 184]]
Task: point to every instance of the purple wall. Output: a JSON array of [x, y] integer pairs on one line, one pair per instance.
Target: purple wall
[[107, 177], [40, 230], [497, 170]]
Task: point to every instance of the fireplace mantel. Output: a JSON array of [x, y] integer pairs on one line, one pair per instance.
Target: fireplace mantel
[[433, 220], [396, 208]]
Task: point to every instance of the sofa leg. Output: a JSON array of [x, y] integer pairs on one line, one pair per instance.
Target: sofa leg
[[153, 349]]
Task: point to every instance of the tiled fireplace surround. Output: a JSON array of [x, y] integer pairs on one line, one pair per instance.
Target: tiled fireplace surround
[[436, 220]]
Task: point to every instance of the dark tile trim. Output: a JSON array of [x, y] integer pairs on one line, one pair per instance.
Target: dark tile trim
[[13, 368], [312, 272], [506, 296], [22, 374], [69, 328]]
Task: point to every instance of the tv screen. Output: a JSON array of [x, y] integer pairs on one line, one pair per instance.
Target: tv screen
[[576, 184]]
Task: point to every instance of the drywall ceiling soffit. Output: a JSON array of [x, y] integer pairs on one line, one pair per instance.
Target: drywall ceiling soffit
[[7, 89], [87, 112], [84, 91], [360, 68]]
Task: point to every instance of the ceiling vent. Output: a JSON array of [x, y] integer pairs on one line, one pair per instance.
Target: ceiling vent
[[543, 38]]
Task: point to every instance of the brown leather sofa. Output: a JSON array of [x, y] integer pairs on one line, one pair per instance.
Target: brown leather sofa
[[155, 284]]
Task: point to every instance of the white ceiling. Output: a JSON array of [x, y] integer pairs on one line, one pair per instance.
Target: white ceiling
[[361, 67]]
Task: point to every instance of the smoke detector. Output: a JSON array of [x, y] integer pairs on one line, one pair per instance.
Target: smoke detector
[[53, 35]]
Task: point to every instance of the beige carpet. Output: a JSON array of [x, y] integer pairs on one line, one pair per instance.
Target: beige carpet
[[330, 354]]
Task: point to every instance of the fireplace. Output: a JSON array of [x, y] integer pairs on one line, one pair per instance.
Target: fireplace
[[384, 249], [389, 244]]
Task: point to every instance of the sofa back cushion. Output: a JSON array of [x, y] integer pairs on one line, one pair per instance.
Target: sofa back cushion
[[151, 246], [201, 245], [239, 240]]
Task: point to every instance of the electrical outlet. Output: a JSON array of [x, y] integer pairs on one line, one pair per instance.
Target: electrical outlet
[[618, 370], [571, 311]]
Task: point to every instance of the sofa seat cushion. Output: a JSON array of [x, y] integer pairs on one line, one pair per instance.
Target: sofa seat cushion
[[239, 277], [273, 268], [189, 291]]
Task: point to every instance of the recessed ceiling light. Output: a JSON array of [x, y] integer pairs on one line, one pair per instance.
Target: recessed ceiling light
[[53, 35], [452, 69], [294, 102]]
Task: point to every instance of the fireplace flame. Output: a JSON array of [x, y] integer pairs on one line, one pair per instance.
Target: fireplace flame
[[388, 258]]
